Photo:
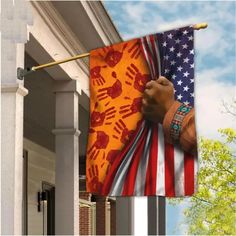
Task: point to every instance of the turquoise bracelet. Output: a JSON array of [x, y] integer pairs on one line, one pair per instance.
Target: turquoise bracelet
[[176, 123]]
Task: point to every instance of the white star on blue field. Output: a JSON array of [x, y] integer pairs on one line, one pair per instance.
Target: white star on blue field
[[215, 50]]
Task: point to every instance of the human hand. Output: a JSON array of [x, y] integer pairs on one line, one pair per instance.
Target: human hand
[[157, 99]]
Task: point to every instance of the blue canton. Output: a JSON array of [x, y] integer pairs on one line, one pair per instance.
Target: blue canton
[[177, 61]]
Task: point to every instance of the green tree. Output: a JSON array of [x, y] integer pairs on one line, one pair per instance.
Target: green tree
[[212, 209]]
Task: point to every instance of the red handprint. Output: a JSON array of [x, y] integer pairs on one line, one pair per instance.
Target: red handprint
[[98, 118], [94, 184], [112, 57], [113, 91], [96, 76], [135, 50], [121, 130], [140, 80], [112, 155], [129, 110], [100, 143]]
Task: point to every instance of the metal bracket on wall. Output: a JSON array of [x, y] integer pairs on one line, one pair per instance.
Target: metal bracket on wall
[[21, 73]]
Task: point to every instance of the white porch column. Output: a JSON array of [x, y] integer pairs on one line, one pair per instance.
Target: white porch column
[[14, 20], [67, 158], [124, 215], [12, 158]]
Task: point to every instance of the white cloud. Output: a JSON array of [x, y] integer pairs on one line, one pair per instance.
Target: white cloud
[[135, 11], [211, 42], [210, 91]]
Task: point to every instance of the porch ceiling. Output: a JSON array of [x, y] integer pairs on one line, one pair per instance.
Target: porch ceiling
[[89, 21], [39, 54]]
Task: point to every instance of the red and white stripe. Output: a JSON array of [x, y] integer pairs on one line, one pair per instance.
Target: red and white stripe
[[148, 165]]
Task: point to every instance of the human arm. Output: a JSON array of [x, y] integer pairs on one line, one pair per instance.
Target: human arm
[[159, 105]]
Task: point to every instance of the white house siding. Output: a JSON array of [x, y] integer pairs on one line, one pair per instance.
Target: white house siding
[[41, 167]]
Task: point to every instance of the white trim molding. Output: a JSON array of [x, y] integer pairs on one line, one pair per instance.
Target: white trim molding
[[14, 88]]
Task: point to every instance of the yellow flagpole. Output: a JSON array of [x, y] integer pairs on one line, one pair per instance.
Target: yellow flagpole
[[34, 68]]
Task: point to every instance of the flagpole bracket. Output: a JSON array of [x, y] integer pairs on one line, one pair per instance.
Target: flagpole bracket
[[21, 73]]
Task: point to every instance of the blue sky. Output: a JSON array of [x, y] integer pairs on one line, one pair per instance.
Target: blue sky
[[215, 79]]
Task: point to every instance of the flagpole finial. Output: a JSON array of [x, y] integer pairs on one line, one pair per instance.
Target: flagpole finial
[[200, 26]]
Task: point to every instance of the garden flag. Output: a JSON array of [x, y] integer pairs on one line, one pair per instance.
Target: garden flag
[[126, 154]]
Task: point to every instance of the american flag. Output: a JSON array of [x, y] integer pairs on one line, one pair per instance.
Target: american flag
[[148, 165]]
